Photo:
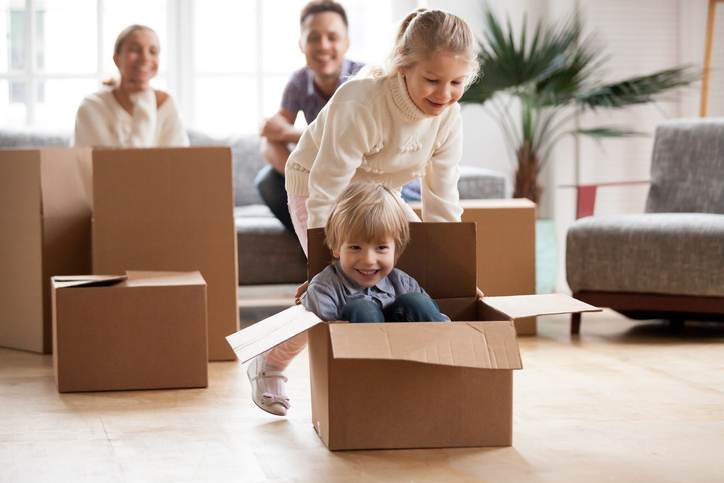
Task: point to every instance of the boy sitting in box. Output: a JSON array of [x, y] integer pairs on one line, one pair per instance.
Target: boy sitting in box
[[367, 231]]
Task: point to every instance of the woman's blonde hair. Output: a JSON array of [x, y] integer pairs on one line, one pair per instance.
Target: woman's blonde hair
[[367, 212], [424, 32]]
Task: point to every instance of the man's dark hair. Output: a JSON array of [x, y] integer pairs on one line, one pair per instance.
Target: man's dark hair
[[320, 6]]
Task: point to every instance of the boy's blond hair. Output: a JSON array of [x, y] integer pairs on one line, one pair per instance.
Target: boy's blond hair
[[367, 212]]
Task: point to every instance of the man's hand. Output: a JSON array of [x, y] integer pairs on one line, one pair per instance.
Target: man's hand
[[301, 290], [276, 128]]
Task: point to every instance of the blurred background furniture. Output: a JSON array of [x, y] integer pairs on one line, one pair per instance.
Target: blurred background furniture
[[669, 261], [267, 252]]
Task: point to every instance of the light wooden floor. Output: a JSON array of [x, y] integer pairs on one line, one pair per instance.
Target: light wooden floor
[[625, 402]]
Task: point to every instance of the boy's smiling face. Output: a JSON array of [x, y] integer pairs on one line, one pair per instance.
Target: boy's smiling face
[[367, 263]]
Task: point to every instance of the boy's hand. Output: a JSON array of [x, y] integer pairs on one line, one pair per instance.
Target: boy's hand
[[301, 290]]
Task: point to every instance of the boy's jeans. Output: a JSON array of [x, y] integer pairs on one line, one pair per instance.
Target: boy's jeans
[[410, 307]]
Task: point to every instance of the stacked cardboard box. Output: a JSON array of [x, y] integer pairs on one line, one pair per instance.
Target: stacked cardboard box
[[415, 385], [170, 209], [145, 330], [45, 218], [152, 209]]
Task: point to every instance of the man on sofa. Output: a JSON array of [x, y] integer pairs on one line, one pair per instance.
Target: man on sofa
[[324, 41]]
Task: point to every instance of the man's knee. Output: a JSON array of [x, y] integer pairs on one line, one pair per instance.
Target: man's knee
[[362, 311]]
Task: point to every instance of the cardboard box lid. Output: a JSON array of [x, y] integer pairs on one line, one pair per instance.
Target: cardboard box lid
[[132, 278], [65, 281], [484, 345], [274, 330], [517, 306], [440, 256]]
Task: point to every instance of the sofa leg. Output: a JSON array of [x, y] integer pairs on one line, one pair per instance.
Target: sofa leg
[[575, 324]]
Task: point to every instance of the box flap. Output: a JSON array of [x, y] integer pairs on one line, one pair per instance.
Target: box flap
[[516, 306], [63, 281], [274, 330], [485, 345], [440, 256], [138, 278]]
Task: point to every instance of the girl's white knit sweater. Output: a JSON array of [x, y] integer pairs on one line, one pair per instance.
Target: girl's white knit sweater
[[372, 131]]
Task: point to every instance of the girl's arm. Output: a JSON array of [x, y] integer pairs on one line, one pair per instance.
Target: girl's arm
[[440, 197], [346, 137]]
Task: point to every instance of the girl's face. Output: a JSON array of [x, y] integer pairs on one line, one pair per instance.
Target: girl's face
[[437, 82], [138, 60], [367, 263]]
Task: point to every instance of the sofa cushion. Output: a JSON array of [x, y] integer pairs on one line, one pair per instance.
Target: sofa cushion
[[480, 183], [669, 253], [687, 167], [267, 252], [11, 138], [246, 162]]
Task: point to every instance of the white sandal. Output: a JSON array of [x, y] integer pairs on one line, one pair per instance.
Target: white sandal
[[276, 404]]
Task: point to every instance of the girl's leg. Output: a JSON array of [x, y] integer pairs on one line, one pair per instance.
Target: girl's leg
[[413, 307], [266, 370], [298, 211]]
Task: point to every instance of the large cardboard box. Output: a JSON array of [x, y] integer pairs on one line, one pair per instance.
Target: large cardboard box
[[145, 330], [170, 209], [505, 248], [415, 385], [45, 220]]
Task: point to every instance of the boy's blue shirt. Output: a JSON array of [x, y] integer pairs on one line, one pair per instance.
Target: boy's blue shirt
[[330, 290]]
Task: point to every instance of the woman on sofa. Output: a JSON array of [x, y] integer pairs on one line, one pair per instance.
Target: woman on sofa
[[129, 112]]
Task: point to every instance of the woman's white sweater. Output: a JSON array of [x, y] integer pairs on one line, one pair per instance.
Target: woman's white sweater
[[102, 121], [372, 131]]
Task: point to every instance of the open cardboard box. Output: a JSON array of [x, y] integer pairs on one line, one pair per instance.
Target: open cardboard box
[[142, 330], [414, 385]]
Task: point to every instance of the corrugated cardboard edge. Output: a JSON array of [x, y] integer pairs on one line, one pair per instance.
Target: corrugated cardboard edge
[[480, 345], [66, 281], [265, 334]]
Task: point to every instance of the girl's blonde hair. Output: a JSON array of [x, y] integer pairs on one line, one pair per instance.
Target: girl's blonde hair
[[424, 32], [367, 212]]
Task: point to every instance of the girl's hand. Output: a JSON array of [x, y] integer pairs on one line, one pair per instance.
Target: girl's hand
[[301, 290]]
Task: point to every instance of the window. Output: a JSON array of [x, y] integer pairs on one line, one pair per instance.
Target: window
[[225, 61]]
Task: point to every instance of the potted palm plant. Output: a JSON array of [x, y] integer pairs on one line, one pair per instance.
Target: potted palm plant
[[554, 75]]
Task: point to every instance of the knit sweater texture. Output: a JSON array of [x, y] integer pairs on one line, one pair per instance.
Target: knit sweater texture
[[102, 121], [372, 131]]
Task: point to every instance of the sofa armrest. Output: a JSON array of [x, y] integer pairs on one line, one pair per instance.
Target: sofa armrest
[[586, 194]]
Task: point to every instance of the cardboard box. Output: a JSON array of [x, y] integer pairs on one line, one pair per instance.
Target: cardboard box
[[415, 385], [170, 209], [146, 330], [505, 249], [45, 220]]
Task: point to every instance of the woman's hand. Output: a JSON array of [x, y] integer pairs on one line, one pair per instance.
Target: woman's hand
[[301, 290]]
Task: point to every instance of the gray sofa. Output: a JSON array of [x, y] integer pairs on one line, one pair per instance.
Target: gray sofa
[[267, 252], [669, 261]]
